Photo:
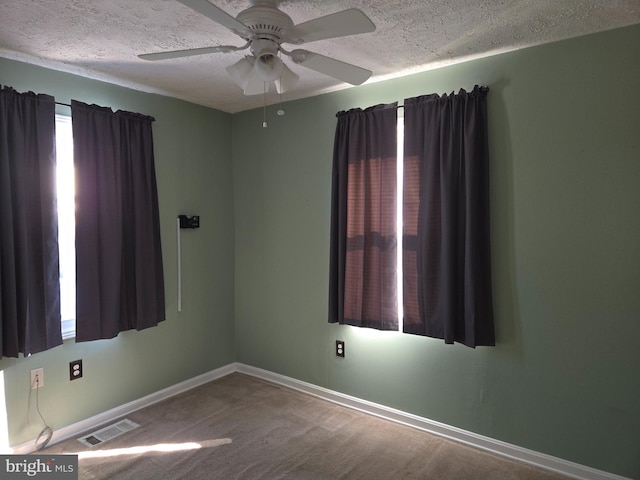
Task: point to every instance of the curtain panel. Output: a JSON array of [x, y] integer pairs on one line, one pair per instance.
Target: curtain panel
[[446, 245], [29, 264], [120, 280], [363, 271]]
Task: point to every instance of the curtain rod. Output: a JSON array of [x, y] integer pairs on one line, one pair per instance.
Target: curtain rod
[[398, 107], [68, 105]]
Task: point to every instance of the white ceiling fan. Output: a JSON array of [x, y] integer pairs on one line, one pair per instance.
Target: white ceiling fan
[[265, 28]]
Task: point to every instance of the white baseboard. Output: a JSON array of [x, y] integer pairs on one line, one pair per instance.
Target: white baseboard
[[547, 462], [78, 428]]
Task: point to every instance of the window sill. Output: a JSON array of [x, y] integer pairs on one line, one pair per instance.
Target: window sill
[[68, 335], [68, 328]]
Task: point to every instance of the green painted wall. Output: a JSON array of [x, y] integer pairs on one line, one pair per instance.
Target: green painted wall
[[564, 138], [194, 174]]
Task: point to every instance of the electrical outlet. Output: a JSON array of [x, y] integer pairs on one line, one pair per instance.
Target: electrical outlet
[[37, 378], [339, 348], [75, 369]]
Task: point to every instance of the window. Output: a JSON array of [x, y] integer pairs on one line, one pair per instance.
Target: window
[[436, 239], [50, 262], [66, 224]]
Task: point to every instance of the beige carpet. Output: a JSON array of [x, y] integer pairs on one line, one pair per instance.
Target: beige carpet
[[239, 427]]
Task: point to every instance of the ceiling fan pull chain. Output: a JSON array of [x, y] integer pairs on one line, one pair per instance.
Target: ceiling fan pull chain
[[264, 105]]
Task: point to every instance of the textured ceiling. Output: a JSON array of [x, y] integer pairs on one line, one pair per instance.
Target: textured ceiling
[[101, 39]]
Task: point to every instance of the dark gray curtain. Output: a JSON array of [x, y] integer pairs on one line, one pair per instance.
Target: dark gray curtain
[[362, 289], [120, 283], [29, 268], [446, 248]]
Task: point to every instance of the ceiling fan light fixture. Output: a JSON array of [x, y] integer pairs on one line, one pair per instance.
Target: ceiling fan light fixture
[[287, 80], [241, 71], [255, 85], [268, 67]]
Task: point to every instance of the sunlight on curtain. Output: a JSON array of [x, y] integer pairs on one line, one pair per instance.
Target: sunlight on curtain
[[369, 332]]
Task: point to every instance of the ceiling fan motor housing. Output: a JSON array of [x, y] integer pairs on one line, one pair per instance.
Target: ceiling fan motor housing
[[266, 22]]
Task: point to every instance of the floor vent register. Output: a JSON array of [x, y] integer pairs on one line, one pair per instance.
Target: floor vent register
[[107, 433]]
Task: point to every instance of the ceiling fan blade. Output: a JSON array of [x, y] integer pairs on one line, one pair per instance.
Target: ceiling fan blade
[[331, 67], [244, 74], [218, 15], [347, 22], [287, 79], [186, 53]]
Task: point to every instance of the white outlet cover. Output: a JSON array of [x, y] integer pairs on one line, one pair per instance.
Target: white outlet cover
[[40, 383]]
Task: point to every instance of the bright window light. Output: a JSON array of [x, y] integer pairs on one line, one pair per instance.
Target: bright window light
[[4, 424], [400, 183], [65, 185]]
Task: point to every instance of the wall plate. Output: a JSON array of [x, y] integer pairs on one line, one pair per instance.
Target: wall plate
[[75, 369]]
